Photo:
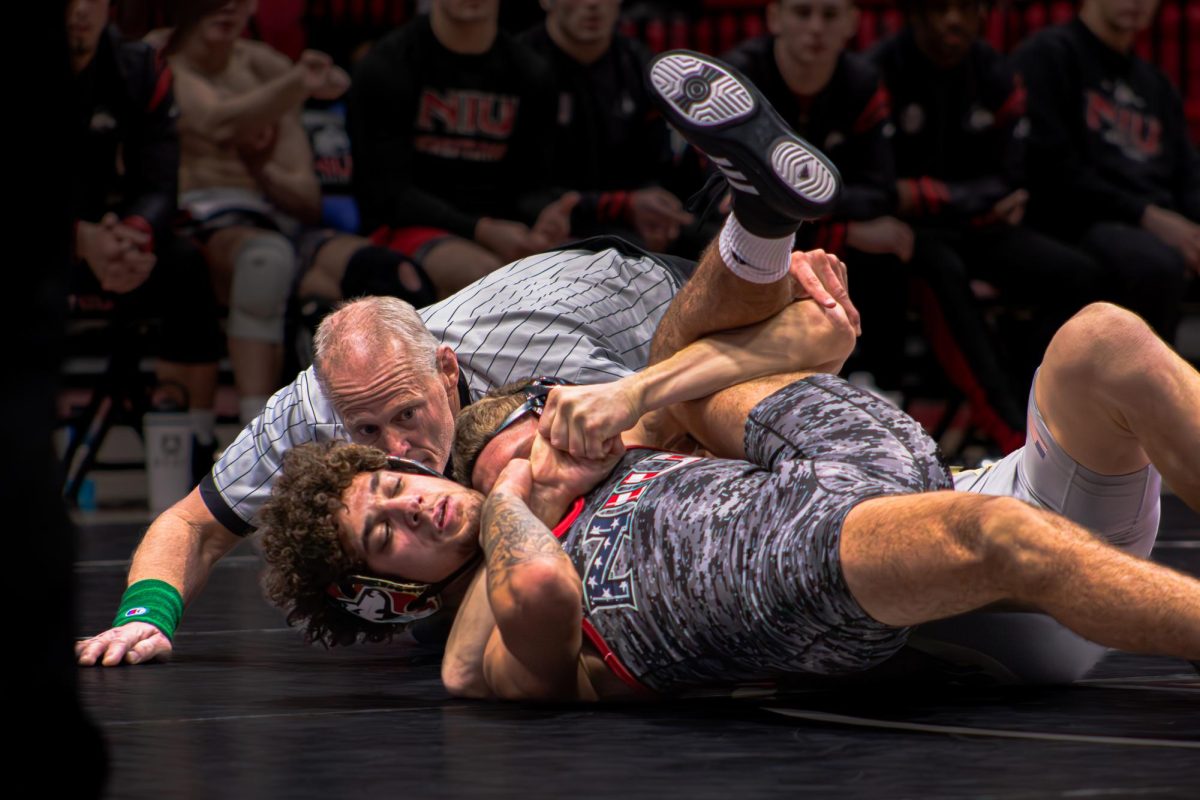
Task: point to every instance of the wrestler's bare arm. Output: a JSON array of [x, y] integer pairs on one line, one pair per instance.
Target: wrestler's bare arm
[[536, 598], [802, 337], [545, 485], [474, 624], [287, 177]]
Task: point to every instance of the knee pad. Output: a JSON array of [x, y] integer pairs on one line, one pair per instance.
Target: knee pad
[[263, 271], [376, 271]]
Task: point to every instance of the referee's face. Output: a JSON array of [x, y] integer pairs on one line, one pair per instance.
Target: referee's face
[[399, 406]]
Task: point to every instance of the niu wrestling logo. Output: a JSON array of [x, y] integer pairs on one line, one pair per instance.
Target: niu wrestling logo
[[1115, 116], [465, 120], [607, 578]]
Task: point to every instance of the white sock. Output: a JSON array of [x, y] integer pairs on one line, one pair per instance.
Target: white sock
[[249, 407], [204, 423], [751, 257]]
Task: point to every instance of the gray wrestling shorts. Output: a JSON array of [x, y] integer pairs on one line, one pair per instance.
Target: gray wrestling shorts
[[1121, 509], [734, 571], [852, 446]]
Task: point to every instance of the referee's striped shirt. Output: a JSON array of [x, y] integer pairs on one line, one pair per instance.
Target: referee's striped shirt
[[587, 316]]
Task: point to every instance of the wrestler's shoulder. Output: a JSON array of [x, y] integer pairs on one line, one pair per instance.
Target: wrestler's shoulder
[[265, 61]]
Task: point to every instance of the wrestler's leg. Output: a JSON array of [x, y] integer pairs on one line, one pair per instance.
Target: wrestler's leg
[[257, 360], [344, 267], [1115, 397], [715, 299], [1110, 398], [323, 278], [775, 180], [916, 558], [452, 263]]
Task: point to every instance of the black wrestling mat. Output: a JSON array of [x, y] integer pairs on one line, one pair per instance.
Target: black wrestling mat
[[247, 711]]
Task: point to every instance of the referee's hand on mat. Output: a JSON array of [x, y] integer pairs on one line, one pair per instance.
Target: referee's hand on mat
[[132, 643]]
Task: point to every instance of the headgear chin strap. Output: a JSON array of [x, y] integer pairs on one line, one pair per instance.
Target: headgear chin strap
[[385, 601], [392, 602]]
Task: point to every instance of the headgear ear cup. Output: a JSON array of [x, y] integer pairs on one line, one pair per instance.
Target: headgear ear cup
[[382, 601]]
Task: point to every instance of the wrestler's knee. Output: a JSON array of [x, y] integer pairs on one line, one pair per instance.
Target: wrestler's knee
[[1103, 344], [1015, 545], [263, 269]]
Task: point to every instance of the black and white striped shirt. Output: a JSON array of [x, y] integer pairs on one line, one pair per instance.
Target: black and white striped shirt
[[587, 316]]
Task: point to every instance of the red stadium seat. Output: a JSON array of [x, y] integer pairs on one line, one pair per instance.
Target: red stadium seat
[[678, 33], [1062, 11], [996, 28], [753, 26], [702, 36], [868, 22], [279, 24], [1034, 19], [655, 35], [892, 21], [1167, 31]]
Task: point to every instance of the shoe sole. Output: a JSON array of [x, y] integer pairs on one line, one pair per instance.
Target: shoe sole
[[719, 110]]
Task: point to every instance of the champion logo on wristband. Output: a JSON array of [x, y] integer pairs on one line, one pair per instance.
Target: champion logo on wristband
[[136, 612]]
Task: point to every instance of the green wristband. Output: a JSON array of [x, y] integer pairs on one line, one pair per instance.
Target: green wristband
[[153, 601]]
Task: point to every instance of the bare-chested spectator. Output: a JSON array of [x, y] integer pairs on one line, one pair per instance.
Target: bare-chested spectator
[[127, 259], [452, 125], [611, 144], [246, 176]]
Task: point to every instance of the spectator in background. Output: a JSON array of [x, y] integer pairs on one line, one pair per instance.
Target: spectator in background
[[611, 144], [127, 259], [249, 188], [959, 116], [836, 100], [452, 128], [1110, 163], [246, 177]]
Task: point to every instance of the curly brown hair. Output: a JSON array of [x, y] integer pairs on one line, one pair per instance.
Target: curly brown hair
[[300, 542], [477, 423]]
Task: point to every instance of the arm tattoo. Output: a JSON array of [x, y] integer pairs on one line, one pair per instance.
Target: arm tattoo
[[511, 536]]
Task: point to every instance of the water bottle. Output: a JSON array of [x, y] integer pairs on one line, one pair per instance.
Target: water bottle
[[168, 436]]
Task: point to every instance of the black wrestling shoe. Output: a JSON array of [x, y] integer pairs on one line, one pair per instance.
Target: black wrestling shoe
[[777, 178]]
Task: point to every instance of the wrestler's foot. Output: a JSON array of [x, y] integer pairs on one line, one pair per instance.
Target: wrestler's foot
[[777, 178]]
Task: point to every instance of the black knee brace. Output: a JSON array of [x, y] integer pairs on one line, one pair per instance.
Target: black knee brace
[[376, 271]]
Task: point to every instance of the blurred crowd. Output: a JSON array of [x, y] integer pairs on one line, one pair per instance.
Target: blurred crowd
[[987, 197]]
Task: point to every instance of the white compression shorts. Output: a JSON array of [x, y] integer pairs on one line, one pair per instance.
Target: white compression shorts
[[1123, 510]]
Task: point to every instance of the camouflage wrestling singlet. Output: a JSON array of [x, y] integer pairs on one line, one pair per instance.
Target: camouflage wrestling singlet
[[702, 572]]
